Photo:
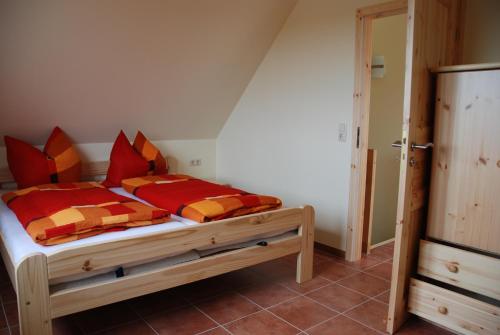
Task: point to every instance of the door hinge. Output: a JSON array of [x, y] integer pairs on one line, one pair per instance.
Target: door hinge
[[357, 138]]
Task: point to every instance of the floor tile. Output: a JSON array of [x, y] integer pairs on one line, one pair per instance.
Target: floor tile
[[7, 293], [306, 287], [215, 331], [276, 270], [383, 270], [383, 252], [321, 255], [337, 297], [341, 325], [292, 259], [384, 297], [11, 313], [60, 326], [366, 284], [365, 262], [243, 278], [333, 270], [417, 326], [262, 323], [3, 320], [136, 327], [302, 312], [266, 295], [228, 307], [317, 258], [202, 289], [372, 314], [65, 326], [156, 302], [182, 321], [105, 317]]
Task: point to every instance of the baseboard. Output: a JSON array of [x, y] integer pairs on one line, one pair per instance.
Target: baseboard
[[329, 249], [382, 243]]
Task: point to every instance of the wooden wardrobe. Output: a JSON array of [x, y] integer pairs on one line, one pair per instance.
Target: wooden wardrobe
[[458, 281]]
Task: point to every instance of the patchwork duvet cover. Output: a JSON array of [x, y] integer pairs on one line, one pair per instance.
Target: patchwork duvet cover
[[58, 213], [196, 199]]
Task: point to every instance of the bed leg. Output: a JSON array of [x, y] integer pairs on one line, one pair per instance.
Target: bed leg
[[305, 257], [33, 296]]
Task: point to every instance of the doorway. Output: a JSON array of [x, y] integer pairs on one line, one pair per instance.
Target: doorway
[[385, 126], [434, 35], [361, 202]]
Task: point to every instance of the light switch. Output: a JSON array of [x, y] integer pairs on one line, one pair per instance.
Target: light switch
[[342, 132]]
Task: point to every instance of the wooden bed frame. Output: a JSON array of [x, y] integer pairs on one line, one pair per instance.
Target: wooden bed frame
[[38, 304]]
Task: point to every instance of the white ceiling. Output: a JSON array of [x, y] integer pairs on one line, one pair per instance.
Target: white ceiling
[[174, 69]]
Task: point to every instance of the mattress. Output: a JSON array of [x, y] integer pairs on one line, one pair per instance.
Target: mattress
[[20, 245]]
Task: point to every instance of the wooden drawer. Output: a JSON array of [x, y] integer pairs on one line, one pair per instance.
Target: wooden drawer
[[471, 271], [455, 311]]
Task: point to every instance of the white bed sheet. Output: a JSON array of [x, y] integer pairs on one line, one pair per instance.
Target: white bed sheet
[[20, 245]]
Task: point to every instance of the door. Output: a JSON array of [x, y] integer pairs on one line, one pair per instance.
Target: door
[[463, 206], [433, 39]]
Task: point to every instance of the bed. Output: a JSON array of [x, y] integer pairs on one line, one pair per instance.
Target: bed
[[58, 280]]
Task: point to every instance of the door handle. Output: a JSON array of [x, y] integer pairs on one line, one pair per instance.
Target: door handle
[[396, 144], [422, 146]]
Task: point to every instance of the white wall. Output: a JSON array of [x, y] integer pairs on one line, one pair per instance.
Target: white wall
[[281, 138], [386, 119], [181, 150]]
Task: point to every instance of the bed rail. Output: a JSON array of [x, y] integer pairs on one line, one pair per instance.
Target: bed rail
[[105, 255]]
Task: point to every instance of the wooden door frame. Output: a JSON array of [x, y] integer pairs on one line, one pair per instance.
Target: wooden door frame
[[360, 124]]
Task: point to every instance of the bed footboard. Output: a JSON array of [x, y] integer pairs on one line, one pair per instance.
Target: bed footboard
[[305, 257], [39, 303]]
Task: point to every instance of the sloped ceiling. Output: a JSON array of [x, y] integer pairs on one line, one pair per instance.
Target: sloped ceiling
[[174, 69]]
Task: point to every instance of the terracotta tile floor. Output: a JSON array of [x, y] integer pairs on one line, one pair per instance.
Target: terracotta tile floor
[[343, 298]]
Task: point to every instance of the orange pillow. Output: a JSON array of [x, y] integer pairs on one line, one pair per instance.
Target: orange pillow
[[157, 163], [58, 163]]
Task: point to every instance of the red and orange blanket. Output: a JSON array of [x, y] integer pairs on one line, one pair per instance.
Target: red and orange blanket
[[196, 199], [59, 213]]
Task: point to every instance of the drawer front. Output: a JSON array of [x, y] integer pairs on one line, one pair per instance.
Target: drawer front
[[471, 271], [452, 310]]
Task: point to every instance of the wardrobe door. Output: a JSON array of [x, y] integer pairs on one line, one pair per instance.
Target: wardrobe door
[[464, 205]]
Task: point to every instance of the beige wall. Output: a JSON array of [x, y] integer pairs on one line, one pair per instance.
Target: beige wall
[[173, 68], [482, 31], [386, 119], [282, 135]]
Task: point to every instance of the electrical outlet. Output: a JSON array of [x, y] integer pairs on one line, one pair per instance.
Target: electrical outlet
[[195, 162], [342, 132]]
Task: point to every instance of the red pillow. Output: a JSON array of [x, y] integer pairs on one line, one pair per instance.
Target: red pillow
[[58, 163], [124, 163]]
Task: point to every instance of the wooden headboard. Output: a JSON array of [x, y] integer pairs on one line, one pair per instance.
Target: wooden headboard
[[89, 170]]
